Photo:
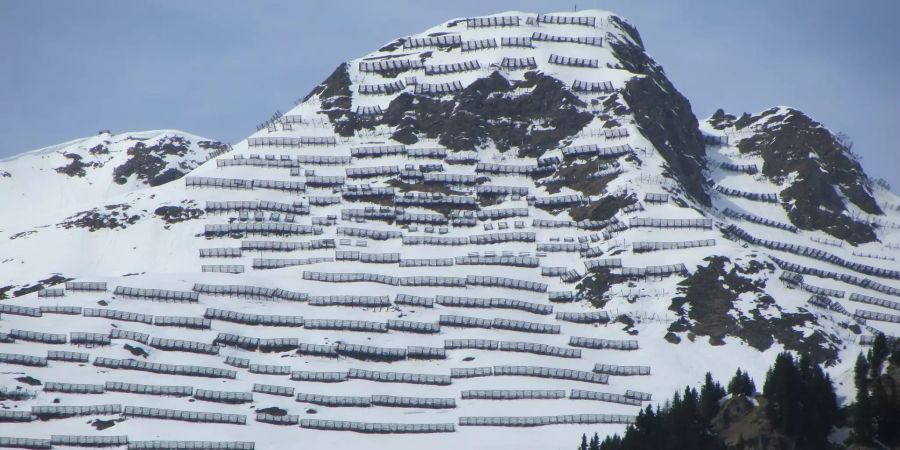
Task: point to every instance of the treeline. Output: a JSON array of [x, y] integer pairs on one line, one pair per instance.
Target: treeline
[[876, 412], [800, 403]]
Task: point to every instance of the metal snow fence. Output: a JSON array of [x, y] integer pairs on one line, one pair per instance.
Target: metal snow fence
[[528, 327], [473, 344], [743, 168], [167, 369], [381, 88], [510, 283], [319, 377], [88, 441], [818, 254], [585, 40], [149, 389], [398, 377], [97, 286], [559, 201], [516, 41], [518, 63], [432, 262], [540, 349], [50, 292], [643, 396], [73, 388], [291, 141], [118, 333], [277, 420], [234, 290], [583, 317], [823, 291], [478, 44], [640, 246], [670, 223], [567, 20], [369, 234], [413, 327], [438, 88], [854, 297], [441, 69], [487, 189], [508, 303], [241, 363], [463, 302], [578, 394], [22, 360], [323, 159], [270, 389], [536, 421], [345, 325], [499, 394], [57, 411], [184, 346], [471, 372], [317, 350], [653, 197], [61, 355], [612, 369], [438, 153], [378, 428], [188, 416], [117, 315], [464, 321], [17, 310], [572, 61], [215, 182], [191, 445], [850, 279], [182, 321], [434, 240], [334, 400], [223, 396], [80, 337], [413, 402], [370, 352], [592, 86], [602, 344], [872, 315], [36, 336], [30, 443], [235, 340], [512, 261], [507, 169], [561, 296], [418, 352], [493, 21], [756, 196], [14, 416], [446, 40], [364, 301], [157, 294], [222, 252]]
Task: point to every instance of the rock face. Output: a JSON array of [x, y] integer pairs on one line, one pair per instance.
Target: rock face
[[821, 180], [163, 160]]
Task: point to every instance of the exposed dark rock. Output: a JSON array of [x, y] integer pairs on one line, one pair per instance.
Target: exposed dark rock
[[29, 380], [661, 112], [175, 214], [76, 166], [603, 209], [41, 284], [707, 308], [484, 112], [101, 425], [137, 350], [273, 410], [149, 163], [115, 217], [393, 45], [595, 285], [813, 199]]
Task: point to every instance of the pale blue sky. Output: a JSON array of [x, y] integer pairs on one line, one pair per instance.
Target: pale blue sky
[[216, 68]]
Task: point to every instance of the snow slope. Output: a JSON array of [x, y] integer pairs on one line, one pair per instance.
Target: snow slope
[[152, 248]]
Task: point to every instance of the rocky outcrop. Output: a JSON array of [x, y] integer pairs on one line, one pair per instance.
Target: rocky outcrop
[[663, 114], [819, 175]]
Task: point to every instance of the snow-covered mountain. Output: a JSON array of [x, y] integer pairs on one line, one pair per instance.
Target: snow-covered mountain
[[504, 221]]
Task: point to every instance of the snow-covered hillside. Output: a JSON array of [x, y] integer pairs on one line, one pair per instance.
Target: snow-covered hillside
[[502, 222]]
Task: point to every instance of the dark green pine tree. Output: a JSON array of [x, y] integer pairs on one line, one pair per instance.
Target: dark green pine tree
[[878, 354], [741, 384], [710, 394], [781, 389], [595, 442], [863, 429], [584, 442]]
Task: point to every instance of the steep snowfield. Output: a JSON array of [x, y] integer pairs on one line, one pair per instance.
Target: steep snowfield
[[140, 248]]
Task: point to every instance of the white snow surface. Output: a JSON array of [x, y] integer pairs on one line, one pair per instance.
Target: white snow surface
[[154, 254]]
